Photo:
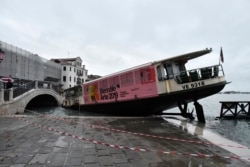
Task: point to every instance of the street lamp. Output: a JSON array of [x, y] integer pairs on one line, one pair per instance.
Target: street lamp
[[1, 55]]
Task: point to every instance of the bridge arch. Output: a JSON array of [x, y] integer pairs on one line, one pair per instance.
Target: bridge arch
[[44, 100], [42, 97], [34, 97]]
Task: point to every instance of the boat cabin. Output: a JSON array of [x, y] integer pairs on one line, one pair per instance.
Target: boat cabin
[[172, 74]]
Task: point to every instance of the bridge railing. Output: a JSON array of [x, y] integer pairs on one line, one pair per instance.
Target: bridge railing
[[9, 94], [23, 89], [6, 95], [57, 89]]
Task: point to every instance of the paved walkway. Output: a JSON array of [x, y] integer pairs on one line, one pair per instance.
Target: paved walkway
[[37, 141]]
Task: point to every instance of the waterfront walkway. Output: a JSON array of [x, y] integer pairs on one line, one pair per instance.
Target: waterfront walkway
[[41, 140]]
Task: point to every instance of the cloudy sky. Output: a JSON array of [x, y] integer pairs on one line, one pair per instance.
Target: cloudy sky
[[112, 35]]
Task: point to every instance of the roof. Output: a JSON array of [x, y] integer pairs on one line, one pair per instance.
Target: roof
[[65, 60], [187, 56], [183, 57]]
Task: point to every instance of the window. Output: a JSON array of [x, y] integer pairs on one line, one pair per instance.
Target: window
[[64, 68], [104, 83], [178, 68], [170, 72], [79, 72], [114, 82], [70, 79], [78, 64], [159, 73], [165, 71], [64, 78], [145, 75], [127, 79]]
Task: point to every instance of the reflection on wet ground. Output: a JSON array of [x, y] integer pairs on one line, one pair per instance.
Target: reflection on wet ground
[[201, 130], [171, 147]]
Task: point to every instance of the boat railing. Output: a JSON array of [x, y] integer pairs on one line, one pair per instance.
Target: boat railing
[[204, 73]]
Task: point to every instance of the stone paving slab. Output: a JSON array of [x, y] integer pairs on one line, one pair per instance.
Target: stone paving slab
[[26, 144]]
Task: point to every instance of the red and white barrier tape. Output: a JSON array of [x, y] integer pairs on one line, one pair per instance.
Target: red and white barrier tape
[[138, 134], [199, 155], [130, 148]]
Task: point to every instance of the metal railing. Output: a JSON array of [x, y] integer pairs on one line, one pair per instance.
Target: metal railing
[[6, 95], [57, 89], [199, 74], [23, 89], [18, 91]]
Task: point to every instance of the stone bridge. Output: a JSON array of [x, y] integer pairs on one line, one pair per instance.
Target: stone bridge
[[33, 94]]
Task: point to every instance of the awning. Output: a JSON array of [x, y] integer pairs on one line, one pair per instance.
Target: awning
[[6, 79]]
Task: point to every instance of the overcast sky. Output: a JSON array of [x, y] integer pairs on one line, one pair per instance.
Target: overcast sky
[[112, 35]]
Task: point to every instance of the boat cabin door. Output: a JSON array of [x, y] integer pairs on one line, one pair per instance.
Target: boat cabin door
[[164, 73]]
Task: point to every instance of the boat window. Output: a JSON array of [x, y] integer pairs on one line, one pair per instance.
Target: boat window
[[137, 74], [145, 75], [180, 66], [114, 82], [169, 69], [159, 73], [178, 69], [164, 72], [103, 83], [127, 79]]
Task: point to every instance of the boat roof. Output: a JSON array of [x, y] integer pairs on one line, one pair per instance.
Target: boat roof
[[183, 57], [187, 56]]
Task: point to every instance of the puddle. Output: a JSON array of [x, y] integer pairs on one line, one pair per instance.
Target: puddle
[[240, 150], [60, 143]]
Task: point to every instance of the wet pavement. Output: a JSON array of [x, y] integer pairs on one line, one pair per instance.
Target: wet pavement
[[37, 141]]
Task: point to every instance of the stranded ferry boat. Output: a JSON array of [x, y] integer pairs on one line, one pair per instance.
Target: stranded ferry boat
[[150, 88]]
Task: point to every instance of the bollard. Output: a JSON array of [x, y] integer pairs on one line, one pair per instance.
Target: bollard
[[1, 96], [11, 94], [36, 84], [50, 86]]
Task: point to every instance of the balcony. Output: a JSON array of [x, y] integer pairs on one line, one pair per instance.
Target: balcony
[[79, 73]]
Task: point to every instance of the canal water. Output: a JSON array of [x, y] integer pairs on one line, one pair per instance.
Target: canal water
[[235, 130]]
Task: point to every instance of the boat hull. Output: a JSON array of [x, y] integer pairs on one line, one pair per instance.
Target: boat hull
[[153, 105]]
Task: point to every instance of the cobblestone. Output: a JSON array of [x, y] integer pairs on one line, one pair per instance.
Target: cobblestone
[[26, 144]]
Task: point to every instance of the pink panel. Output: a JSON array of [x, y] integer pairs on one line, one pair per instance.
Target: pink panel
[[139, 83]]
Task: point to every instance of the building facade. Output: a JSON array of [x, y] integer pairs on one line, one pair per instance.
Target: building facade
[[73, 72], [23, 65]]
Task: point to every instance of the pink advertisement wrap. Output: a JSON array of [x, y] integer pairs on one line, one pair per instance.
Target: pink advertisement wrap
[[130, 85]]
